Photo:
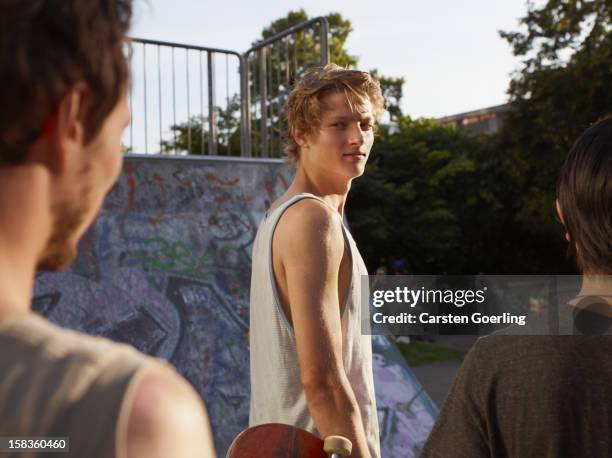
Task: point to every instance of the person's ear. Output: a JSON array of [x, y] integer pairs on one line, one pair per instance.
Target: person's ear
[[300, 137], [64, 130], [560, 215]]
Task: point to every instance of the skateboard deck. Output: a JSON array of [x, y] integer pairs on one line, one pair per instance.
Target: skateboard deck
[[275, 440]]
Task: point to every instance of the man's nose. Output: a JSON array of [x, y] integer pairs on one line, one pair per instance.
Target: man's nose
[[356, 135]]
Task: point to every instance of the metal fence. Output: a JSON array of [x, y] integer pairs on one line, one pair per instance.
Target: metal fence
[[196, 100], [273, 67], [182, 102]]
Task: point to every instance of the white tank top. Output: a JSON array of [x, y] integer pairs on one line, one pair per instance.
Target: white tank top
[[277, 395]]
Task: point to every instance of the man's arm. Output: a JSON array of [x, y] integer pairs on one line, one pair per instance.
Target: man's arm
[[168, 419], [460, 430], [311, 244]]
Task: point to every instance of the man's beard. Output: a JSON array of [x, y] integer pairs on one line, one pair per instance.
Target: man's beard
[[61, 248], [69, 216]]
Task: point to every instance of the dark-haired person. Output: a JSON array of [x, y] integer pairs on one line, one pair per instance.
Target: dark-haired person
[[63, 92], [548, 396]]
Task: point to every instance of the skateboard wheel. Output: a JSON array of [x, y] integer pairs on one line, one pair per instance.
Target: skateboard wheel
[[337, 444]]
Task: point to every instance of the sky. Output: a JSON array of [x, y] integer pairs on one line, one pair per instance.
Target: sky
[[449, 51]]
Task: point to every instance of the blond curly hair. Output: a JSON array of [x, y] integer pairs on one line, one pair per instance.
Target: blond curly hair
[[304, 107]]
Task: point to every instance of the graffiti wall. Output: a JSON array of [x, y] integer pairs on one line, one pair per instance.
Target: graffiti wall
[[166, 268]]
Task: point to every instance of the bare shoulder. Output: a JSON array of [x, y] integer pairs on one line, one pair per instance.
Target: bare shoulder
[[309, 222], [167, 418]]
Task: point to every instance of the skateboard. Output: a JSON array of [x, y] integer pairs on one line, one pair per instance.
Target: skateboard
[[275, 440]]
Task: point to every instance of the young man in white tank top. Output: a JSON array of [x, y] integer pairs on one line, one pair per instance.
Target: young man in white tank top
[[310, 365], [64, 108]]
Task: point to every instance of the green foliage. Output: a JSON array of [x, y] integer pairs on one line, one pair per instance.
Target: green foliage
[[283, 23], [563, 86], [416, 353], [422, 198], [192, 137], [392, 89], [289, 58], [559, 27], [339, 30], [447, 202]]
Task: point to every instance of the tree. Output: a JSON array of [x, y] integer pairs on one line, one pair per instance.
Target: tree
[[192, 137], [563, 85], [393, 91], [565, 47], [288, 61], [433, 195], [559, 27], [339, 30], [462, 205]]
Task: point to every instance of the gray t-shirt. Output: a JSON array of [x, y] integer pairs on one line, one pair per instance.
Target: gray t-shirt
[[59, 383], [531, 395]]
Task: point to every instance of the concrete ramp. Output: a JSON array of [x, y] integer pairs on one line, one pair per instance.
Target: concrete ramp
[[166, 268]]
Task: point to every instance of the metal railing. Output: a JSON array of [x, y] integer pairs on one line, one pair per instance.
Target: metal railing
[[174, 100], [273, 66], [176, 93]]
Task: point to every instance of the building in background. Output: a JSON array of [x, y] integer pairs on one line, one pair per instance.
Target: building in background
[[485, 121]]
